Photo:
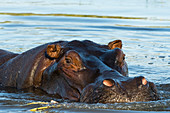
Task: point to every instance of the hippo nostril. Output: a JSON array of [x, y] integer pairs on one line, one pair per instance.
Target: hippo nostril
[[141, 81], [108, 82], [144, 81]]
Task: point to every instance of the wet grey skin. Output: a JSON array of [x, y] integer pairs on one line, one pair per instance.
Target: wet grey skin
[[119, 89]]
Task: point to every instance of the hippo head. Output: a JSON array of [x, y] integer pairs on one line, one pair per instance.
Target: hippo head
[[88, 72]]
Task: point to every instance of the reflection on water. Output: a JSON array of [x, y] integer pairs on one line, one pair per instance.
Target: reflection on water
[[131, 8], [14, 100], [143, 26]]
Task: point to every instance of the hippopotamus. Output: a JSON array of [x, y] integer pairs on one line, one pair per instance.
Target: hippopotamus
[[81, 71]]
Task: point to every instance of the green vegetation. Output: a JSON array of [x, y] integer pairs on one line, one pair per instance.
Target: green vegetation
[[71, 15]]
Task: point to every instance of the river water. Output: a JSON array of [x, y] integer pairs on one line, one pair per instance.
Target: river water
[[142, 25]]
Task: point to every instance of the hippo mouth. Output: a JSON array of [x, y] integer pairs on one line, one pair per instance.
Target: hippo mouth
[[114, 93]]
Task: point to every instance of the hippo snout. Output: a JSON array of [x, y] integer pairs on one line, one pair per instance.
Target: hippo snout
[[116, 88]]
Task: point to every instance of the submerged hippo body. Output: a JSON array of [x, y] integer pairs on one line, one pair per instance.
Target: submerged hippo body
[[78, 70]]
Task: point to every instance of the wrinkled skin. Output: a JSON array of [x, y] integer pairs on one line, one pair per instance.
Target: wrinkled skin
[[78, 70]]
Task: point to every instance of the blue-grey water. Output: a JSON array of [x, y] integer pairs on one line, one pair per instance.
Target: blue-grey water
[[142, 25]]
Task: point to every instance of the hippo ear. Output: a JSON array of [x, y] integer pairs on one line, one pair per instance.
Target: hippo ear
[[53, 51], [115, 44]]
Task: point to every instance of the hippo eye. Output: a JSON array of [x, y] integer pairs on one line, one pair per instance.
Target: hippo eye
[[68, 60], [124, 58]]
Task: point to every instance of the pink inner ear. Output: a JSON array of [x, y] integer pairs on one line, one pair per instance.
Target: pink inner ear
[[53, 51], [115, 44]]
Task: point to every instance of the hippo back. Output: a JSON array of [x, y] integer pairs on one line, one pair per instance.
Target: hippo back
[[23, 70], [6, 55]]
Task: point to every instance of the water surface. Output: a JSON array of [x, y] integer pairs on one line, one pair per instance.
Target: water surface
[[143, 26]]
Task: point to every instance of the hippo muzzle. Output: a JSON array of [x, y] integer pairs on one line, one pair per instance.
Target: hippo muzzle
[[113, 87]]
